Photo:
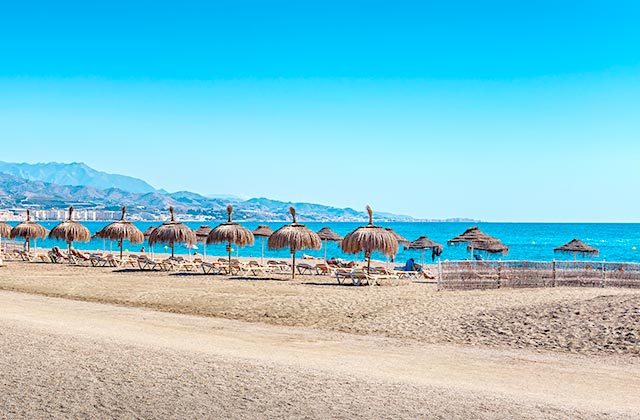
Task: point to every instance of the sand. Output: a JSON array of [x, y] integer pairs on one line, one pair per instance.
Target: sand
[[308, 348]]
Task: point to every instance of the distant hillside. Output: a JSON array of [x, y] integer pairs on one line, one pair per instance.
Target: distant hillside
[[74, 174], [19, 192]]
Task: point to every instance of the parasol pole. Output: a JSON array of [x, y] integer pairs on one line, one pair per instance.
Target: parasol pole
[[293, 265]]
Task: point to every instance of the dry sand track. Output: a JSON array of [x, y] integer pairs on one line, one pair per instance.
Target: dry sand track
[[65, 358]]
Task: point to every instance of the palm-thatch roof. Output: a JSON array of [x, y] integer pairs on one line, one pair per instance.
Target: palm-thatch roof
[[577, 246], [5, 230], [476, 239], [172, 232], [472, 234], [231, 232], [148, 231], [28, 230], [70, 231], [263, 230], [401, 239], [202, 233], [370, 238], [121, 230], [294, 236], [327, 234], [424, 243], [490, 246]]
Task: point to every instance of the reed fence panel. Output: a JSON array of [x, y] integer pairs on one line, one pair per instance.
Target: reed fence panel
[[516, 274]]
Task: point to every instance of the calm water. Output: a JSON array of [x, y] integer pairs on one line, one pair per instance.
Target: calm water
[[526, 241]]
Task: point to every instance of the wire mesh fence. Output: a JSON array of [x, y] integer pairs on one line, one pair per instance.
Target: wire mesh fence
[[515, 274]]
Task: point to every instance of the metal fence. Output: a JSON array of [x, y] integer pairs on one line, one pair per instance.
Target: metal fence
[[496, 274]]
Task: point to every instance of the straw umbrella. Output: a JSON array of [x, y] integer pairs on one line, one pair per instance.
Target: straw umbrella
[[172, 232], [370, 238], [474, 238], [490, 246], [201, 236], [423, 243], [263, 231], [5, 231], [576, 246], [327, 234], [120, 231], [148, 231], [401, 239], [294, 236], [231, 233], [28, 230], [70, 231]]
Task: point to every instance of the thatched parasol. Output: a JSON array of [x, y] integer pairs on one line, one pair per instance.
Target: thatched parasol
[[201, 236], [576, 246], [120, 231], [327, 234], [231, 233], [5, 231], [28, 230], [172, 232], [491, 246], [370, 238], [423, 243], [148, 231], [294, 236], [401, 239], [70, 231], [263, 231], [474, 238]]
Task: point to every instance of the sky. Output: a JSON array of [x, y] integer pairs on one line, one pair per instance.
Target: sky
[[494, 110]]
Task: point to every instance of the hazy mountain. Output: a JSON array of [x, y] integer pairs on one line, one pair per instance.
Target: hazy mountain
[[74, 174], [18, 192]]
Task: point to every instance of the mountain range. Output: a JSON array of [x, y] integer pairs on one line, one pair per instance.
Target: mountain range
[[57, 185]]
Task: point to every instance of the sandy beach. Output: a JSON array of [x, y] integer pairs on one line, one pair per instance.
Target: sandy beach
[[80, 341]]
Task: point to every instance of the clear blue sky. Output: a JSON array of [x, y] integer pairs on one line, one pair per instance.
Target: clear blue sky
[[504, 111]]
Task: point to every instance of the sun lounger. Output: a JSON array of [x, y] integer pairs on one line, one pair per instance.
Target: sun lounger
[[58, 257], [304, 268], [278, 266], [98, 260], [146, 263], [324, 269], [211, 268], [255, 269]]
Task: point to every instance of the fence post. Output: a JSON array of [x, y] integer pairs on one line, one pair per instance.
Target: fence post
[[499, 273], [604, 273], [439, 274], [553, 270]]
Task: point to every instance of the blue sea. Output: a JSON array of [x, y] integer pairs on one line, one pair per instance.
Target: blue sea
[[526, 241]]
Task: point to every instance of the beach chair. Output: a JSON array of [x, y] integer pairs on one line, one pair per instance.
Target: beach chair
[[25, 256], [324, 269], [256, 269], [211, 268], [357, 276], [278, 266], [58, 257], [80, 257], [146, 263], [304, 268], [99, 260]]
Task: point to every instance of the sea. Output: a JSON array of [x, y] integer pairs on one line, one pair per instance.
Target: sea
[[617, 242]]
